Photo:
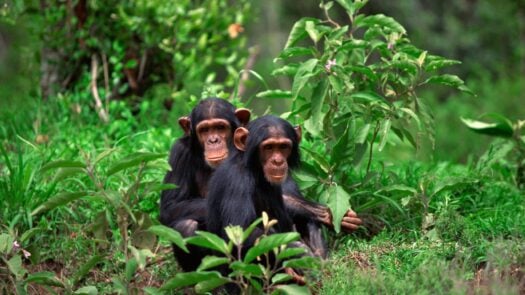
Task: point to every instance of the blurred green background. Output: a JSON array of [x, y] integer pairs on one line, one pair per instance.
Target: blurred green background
[[46, 49]]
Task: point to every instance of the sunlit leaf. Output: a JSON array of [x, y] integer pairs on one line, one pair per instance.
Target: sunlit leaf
[[211, 262], [46, 278], [277, 93], [210, 284], [293, 289], [210, 241], [298, 31], [247, 269], [338, 202], [268, 243], [302, 263], [499, 126], [189, 279], [380, 20], [169, 234]]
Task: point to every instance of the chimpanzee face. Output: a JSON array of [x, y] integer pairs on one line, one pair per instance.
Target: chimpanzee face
[[214, 135], [274, 153]]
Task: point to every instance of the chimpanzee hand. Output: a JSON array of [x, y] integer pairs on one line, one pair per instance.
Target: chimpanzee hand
[[350, 222]]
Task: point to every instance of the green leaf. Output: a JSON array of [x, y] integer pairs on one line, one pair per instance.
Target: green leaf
[[210, 284], [67, 172], [190, 278], [45, 278], [305, 262], [60, 199], [363, 134], [310, 28], [131, 268], [304, 73], [338, 200], [211, 262], [446, 79], [288, 70], [134, 159], [289, 252], [298, 31], [379, 20], [275, 93], [399, 189], [87, 290], [439, 63], [104, 155], [368, 96], [385, 127], [248, 231], [281, 278], [247, 269], [295, 51], [293, 289], [210, 241], [319, 159], [499, 126], [169, 234], [15, 266], [62, 164], [85, 268], [6, 243], [268, 243]]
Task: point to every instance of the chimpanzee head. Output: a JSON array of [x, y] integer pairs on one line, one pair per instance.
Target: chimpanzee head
[[211, 125], [271, 147]]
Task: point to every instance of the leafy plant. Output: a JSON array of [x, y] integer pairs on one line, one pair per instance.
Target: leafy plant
[[251, 274], [512, 146], [354, 85]]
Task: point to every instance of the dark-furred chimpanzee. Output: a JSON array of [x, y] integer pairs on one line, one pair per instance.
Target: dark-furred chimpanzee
[[192, 162], [250, 181], [206, 143]]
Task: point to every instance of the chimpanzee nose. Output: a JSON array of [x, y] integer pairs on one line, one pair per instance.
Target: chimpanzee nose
[[278, 161], [213, 139]]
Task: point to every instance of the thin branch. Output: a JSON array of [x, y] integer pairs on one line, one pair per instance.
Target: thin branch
[[142, 66], [102, 114], [254, 51]]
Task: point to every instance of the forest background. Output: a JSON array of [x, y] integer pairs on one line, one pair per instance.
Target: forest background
[[90, 93]]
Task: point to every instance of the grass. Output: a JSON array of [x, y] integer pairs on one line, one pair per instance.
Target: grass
[[461, 232]]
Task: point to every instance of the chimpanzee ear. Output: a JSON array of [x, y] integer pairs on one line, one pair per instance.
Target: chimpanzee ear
[[243, 115], [239, 138], [298, 132], [185, 124]]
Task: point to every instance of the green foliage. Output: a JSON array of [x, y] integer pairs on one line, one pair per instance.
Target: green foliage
[[500, 126], [354, 87], [248, 275]]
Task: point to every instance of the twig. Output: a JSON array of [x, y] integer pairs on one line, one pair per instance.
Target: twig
[[254, 51], [142, 66], [102, 114]]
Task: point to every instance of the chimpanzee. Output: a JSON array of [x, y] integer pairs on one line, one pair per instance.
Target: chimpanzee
[[250, 181], [206, 143], [192, 161]]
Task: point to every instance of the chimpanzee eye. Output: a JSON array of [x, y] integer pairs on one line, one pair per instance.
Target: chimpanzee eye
[[267, 147], [221, 127], [283, 146], [203, 129]]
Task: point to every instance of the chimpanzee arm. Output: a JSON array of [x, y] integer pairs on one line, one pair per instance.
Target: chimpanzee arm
[[182, 203], [298, 206]]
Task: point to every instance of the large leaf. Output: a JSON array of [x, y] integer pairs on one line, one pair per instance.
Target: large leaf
[[499, 126], [293, 289], [6, 243], [268, 243], [302, 262], [298, 31], [276, 93], [295, 51], [304, 73], [211, 262], [59, 200], [46, 278], [190, 278], [132, 160], [247, 269], [210, 284], [15, 266], [62, 164], [338, 201], [169, 234], [87, 290], [210, 241], [380, 20]]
